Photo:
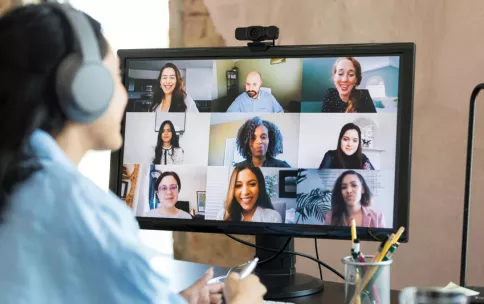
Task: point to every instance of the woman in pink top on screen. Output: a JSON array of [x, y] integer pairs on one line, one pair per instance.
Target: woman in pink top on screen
[[351, 198]]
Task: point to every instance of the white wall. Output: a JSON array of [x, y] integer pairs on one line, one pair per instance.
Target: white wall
[[192, 179], [199, 83], [140, 139], [381, 184], [319, 133]]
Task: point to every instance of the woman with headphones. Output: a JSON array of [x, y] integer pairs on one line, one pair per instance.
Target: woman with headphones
[[63, 239]]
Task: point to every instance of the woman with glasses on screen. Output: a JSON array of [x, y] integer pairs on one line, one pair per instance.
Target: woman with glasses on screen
[[247, 199], [170, 94], [259, 142], [168, 151], [348, 153], [94, 238], [168, 186], [345, 97], [351, 198]]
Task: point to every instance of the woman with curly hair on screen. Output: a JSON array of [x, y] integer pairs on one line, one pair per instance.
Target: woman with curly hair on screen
[[247, 199], [259, 142], [351, 198]]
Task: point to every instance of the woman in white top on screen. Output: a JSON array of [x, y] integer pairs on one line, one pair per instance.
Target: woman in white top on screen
[[168, 187], [170, 94], [247, 199], [168, 151]]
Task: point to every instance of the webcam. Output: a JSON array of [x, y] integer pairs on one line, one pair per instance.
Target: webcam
[[258, 34]]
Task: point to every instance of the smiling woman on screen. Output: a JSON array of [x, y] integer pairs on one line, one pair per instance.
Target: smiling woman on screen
[[170, 94], [247, 199], [345, 97]]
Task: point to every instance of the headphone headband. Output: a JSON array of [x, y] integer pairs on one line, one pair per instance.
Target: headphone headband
[[84, 85]]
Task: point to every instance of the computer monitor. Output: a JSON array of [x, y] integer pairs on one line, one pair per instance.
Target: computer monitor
[[290, 141]]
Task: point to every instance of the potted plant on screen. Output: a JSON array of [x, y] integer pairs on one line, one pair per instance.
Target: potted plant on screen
[[315, 204]]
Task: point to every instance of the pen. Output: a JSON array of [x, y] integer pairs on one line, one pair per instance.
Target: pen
[[249, 268], [357, 286]]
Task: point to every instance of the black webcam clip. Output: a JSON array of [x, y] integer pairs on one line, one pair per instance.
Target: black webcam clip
[[258, 34]]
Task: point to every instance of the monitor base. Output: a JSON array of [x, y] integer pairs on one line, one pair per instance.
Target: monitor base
[[290, 286]]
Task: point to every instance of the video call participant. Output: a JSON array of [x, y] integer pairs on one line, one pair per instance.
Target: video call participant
[[170, 94], [254, 99], [168, 151], [38, 163], [247, 199], [259, 142], [351, 198], [348, 153], [168, 187], [345, 97]]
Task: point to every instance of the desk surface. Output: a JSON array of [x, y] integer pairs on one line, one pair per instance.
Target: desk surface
[[183, 274]]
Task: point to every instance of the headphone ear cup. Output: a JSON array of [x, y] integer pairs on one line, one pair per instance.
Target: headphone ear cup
[[84, 90]]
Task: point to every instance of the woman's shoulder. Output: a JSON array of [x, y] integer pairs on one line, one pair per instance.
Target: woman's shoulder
[[271, 215], [183, 214]]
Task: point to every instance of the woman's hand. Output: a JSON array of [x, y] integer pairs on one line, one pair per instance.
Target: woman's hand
[[249, 290], [202, 293]]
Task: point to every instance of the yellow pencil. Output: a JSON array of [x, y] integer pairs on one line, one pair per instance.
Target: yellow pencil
[[353, 230], [369, 274], [357, 286]]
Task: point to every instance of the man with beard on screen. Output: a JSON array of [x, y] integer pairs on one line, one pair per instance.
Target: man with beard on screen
[[254, 99]]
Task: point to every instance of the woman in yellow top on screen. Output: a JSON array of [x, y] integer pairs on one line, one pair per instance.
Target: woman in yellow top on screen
[[168, 186], [345, 98], [168, 151], [170, 94], [247, 199], [259, 142], [348, 153], [351, 198]]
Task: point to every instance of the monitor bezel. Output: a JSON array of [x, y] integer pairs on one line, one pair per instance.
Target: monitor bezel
[[406, 51]]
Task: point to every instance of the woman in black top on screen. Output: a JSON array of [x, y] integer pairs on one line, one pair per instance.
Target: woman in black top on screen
[[168, 151], [345, 98], [348, 153], [259, 142]]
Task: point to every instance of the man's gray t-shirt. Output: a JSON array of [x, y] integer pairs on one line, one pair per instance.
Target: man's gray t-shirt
[[265, 102]]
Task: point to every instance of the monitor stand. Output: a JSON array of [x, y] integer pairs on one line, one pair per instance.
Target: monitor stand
[[279, 275]]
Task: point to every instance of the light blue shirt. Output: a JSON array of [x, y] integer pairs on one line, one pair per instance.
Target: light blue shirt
[[265, 102], [64, 240]]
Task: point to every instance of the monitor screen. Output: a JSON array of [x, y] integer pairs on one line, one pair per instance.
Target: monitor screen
[[292, 141]]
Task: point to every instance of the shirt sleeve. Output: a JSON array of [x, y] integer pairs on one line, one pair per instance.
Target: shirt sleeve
[[326, 107], [327, 162], [117, 265], [235, 106], [191, 105], [277, 107]]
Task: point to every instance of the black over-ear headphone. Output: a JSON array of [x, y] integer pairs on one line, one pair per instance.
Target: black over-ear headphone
[[84, 85]]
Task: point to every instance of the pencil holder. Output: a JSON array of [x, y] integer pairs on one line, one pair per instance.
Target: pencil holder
[[367, 282]]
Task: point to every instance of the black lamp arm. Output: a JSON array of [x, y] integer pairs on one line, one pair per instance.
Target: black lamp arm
[[467, 194]]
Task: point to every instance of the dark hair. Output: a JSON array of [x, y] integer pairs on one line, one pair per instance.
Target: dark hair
[[246, 134], [233, 210], [165, 174], [344, 161], [159, 143], [33, 41], [355, 94], [338, 205], [178, 96]]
